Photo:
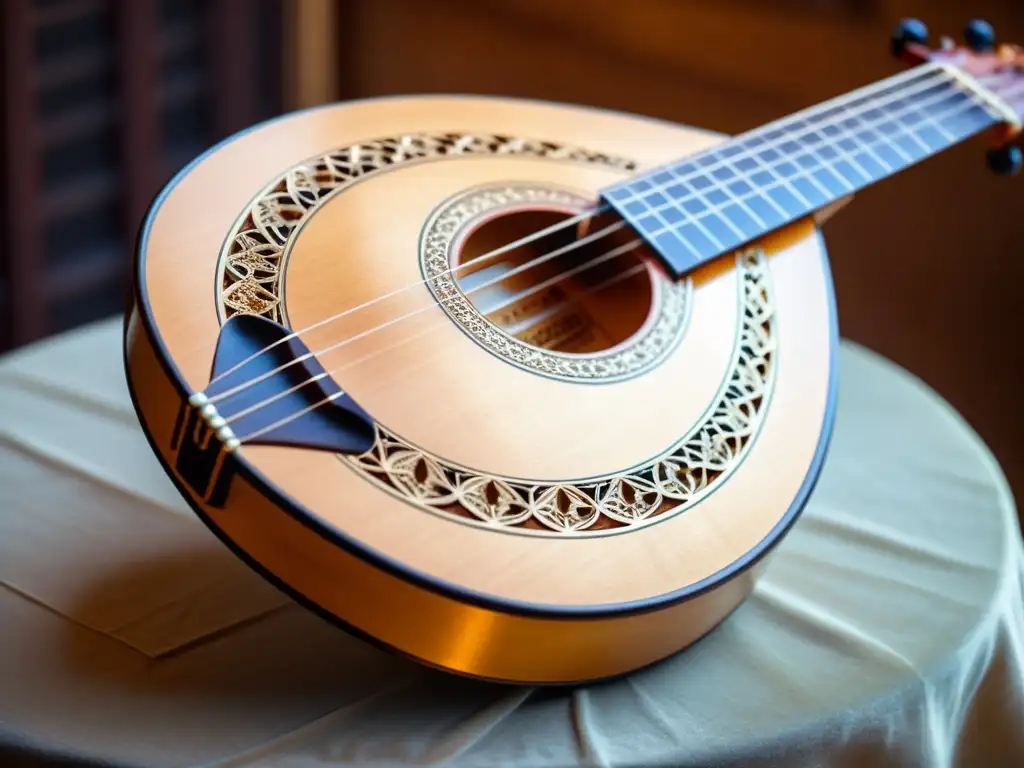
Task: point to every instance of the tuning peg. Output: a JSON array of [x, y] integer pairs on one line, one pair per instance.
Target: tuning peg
[[979, 36], [908, 31], [1005, 161]]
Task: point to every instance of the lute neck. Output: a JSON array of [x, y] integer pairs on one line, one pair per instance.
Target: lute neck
[[698, 208]]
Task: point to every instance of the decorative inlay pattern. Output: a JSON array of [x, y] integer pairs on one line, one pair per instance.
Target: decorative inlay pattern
[[664, 485], [643, 351], [661, 486]]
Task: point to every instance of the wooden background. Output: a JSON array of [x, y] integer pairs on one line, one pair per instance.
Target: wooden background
[[103, 101], [928, 265]]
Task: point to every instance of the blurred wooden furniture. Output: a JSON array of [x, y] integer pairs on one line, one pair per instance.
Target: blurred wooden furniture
[[103, 101], [311, 51], [927, 266]]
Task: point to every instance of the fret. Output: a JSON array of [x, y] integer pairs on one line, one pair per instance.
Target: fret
[[751, 162], [695, 234], [738, 189], [700, 207], [861, 148], [762, 178], [720, 195], [788, 171], [728, 235]]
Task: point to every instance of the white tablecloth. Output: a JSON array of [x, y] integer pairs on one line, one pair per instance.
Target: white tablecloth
[[888, 631]]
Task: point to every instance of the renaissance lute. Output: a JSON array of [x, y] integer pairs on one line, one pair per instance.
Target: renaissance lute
[[527, 392]]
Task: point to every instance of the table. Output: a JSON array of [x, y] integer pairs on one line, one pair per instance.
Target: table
[[889, 629]]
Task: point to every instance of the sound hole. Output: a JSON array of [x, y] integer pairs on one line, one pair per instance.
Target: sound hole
[[593, 295]]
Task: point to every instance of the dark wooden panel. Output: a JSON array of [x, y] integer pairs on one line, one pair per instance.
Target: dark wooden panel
[[26, 317], [104, 100], [232, 43], [139, 129]]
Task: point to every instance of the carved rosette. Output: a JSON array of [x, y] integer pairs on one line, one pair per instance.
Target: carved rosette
[[665, 485], [644, 350]]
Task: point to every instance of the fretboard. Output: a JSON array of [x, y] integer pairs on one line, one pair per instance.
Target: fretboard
[[708, 204]]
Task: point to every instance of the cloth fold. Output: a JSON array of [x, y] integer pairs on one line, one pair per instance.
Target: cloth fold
[[90, 526]]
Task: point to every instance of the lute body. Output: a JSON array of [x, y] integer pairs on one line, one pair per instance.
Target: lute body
[[544, 479]]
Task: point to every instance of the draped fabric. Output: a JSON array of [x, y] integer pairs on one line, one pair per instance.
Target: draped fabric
[[888, 630]]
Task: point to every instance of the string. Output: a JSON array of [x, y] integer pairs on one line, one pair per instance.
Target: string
[[603, 208], [1010, 93], [391, 347], [529, 265], [490, 254]]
